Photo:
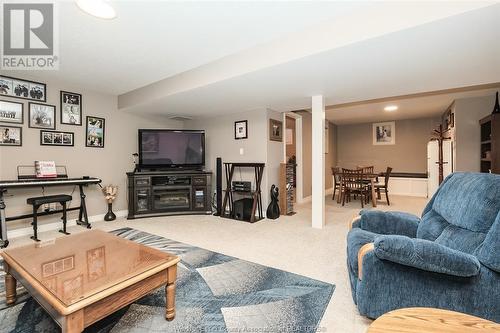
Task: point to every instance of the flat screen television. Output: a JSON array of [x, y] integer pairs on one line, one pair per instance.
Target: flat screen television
[[162, 149]]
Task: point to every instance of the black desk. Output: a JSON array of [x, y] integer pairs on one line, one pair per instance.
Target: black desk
[[27, 183]]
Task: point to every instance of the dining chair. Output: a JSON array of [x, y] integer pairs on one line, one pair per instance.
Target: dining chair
[[368, 169], [353, 183], [336, 180], [385, 186]]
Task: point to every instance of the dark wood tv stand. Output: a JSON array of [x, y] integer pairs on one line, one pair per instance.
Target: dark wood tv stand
[[171, 192]]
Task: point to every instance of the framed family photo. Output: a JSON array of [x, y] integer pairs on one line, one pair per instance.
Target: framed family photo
[[384, 133], [275, 130], [57, 138], [11, 136], [19, 88], [94, 132], [11, 112], [241, 129], [41, 116], [71, 108]]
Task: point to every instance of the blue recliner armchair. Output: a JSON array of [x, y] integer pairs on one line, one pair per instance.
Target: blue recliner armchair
[[449, 258]]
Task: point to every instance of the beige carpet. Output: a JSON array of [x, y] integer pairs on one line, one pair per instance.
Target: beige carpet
[[288, 243]]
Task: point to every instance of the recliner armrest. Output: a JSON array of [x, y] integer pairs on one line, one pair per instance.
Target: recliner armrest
[[388, 223], [426, 255]]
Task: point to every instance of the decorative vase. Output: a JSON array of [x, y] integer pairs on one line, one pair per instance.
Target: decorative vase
[[110, 216], [496, 108]]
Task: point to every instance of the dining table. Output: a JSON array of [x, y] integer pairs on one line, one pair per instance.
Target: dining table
[[370, 178]]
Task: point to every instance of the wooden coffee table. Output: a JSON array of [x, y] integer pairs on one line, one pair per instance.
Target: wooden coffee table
[[429, 320], [82, 278]]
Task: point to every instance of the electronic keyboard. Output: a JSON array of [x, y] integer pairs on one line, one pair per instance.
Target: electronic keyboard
[[34, 182]]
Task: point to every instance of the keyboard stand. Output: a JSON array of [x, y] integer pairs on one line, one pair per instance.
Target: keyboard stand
[[83, 210], [4, 242], [83, 218]]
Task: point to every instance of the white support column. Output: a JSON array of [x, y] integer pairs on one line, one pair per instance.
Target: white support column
[[318, 161]]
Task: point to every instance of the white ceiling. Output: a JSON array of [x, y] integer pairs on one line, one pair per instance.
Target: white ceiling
[[458, 51], [152, 40], [408, 107], [200, 59]]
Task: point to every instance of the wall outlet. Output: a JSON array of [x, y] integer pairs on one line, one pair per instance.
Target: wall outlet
[[46, 207], [242, 151]]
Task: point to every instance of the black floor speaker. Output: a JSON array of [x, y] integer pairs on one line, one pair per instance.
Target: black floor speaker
[[218, 187]]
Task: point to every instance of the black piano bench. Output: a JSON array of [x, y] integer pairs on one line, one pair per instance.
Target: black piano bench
[[36, 202]]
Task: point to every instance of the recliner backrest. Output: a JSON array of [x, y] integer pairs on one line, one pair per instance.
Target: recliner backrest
[[462, 211]]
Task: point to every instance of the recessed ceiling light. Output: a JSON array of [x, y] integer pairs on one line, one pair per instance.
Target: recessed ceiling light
[[390, 108], [97, 8]]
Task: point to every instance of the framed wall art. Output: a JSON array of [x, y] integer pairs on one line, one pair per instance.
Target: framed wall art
[[94, 132], [384, 133], [275, 130], [11, 112], [71, 108], [11, 136], [241, 129], [41, 116], [57, 138], [19, 88]]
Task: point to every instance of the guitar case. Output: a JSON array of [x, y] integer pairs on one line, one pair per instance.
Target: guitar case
[[273, 210]]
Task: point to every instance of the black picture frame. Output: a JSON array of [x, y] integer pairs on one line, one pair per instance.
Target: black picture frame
[[63, 105], [88, 140], [30, 125], [4, 144], [7, 88], [4, 120], [238, 136], [53, 142]]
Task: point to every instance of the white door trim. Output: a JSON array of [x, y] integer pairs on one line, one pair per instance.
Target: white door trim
[[298, 152]]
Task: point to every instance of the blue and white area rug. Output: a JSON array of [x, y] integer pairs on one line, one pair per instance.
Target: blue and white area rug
[[215, 293]]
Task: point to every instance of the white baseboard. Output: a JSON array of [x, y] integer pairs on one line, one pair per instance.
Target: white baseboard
[[57, 225]]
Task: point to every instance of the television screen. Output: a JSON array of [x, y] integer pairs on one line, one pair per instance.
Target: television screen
[[171, 148]]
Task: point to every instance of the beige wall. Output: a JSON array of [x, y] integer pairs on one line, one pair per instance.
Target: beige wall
[[291, 149], [306, 153], [275, 156], [409, 154], [467, 132], [330, 157], [220, 142], [110, 164]]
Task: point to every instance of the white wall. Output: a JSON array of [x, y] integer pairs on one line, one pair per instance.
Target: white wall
[[109, 163]]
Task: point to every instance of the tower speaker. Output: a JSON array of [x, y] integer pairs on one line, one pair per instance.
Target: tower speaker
[[218, 187]]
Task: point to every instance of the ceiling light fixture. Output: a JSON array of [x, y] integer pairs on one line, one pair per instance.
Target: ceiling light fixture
[[390, 108], [98, 8]]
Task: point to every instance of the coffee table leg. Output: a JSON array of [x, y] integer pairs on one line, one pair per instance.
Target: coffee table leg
[[170, 292], [10, 288], [73, 323]]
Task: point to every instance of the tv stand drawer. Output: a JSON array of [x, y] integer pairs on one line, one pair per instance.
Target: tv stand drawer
[[197, 181]]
